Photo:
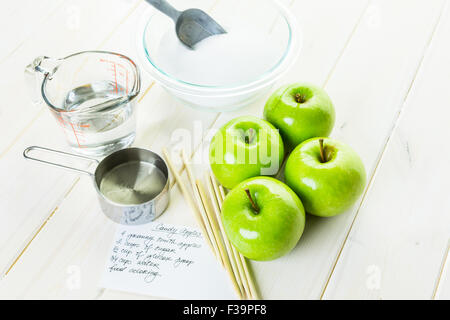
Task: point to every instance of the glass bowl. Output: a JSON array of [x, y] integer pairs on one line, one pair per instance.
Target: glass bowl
[[273, 23]]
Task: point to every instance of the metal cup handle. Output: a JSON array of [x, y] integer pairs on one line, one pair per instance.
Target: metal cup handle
[[33, 148]]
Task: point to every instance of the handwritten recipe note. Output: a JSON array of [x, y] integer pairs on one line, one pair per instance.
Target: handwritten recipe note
[[167, 261]]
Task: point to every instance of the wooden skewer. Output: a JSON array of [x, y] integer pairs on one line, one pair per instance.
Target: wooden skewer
[[210, 235], [196, 212], [227, 256], [242, 263], [186, 195], [219, 253], [209, 238], [222, 192], [202, 210], [210, 221], [217, 203], [228, 246], [248, 276], [237, 255], [180, 172]]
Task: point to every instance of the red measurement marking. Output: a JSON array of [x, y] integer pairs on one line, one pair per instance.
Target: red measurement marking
[[115, 78], [126, 83], [77, 135], [117, 69], [114, 71], [73, 127], [60, 121]]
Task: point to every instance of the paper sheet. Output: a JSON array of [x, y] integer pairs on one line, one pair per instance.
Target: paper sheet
[[164, 260]]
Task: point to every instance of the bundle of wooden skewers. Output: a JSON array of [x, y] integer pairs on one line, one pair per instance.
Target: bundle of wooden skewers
[[207, 213]]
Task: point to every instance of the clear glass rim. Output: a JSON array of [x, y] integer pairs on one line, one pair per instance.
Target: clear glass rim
[[133, 92], [291, 50]]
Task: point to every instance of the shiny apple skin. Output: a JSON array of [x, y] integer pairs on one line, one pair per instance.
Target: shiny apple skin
[[326, 189], [298, 122], [272, 232], [230, 172]]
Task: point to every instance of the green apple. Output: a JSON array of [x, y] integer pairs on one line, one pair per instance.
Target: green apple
[[300, 111], [243, 148], [263, 218], [326, 174]]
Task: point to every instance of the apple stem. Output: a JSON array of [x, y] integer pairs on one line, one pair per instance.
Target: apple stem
[[322, 151], [254, 205], [249, 137], [299, 98]]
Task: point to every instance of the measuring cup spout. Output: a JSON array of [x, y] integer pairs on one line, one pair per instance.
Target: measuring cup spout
[[27, 151]]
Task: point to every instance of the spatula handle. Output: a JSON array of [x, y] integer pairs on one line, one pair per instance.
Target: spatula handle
[[166, 8]]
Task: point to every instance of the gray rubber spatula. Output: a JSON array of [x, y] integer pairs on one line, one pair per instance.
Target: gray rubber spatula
[[192, 25]]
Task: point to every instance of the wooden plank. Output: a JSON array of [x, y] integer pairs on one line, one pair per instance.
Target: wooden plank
[[442, 289], [24, 17], [160, 116], [400, 238]]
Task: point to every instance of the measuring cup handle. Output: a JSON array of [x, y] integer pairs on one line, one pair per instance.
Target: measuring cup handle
[[34, 148], [35, 73]]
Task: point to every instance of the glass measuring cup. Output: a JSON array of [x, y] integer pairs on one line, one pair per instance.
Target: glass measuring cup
[[91, 94]]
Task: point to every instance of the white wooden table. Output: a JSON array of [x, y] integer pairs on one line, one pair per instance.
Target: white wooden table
[[386, 65]]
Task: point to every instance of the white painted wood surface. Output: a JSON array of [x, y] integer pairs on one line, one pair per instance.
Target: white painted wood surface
[[384, 63], [399, 239]]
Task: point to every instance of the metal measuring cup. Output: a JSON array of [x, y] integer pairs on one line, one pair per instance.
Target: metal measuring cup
[[128, 214]]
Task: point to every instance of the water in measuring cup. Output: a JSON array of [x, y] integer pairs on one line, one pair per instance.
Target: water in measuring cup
[[103, 124], [134, 182]]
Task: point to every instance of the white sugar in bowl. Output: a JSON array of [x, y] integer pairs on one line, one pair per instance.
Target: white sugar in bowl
[[224, 72]]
